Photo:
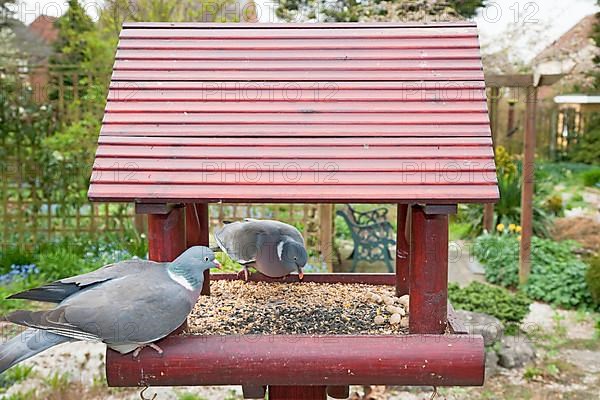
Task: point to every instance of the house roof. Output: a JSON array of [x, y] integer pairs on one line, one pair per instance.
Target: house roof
[[296, 113], [577, 99], [570, 42], [43, 26]]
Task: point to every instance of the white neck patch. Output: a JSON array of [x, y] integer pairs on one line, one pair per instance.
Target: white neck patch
[[181, 280], [280, 250]]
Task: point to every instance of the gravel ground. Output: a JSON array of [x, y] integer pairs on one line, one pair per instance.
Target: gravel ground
[[237, 307]]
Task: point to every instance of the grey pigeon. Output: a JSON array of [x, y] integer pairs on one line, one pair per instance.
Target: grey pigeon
[[127, 305], [273, 248]]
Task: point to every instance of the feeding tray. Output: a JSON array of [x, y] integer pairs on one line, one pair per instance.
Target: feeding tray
[[261, 308], [382, 355]]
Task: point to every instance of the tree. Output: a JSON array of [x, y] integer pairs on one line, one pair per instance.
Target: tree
[[376, 10], [466, 8], [5, 12], [70, 45], [595, 36]]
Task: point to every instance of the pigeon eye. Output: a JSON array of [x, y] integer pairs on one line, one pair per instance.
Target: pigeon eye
[[206, 258], [295, 258]]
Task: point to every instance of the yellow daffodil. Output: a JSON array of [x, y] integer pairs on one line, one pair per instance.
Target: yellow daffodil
[[500, 227], [518, 228], [512, 227]]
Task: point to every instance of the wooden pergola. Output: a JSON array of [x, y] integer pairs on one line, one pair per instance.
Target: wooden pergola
[[319, 113], [530, 83]]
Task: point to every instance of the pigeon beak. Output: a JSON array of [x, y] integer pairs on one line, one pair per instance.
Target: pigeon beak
[[300, 274], [217, 264]]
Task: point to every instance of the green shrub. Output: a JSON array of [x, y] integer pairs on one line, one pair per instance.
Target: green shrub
[[508, 307], [592, 278], [587, 149], [60, 263], [591, 177], [14, 256], [14, 375], [557, 274], [508, 208]]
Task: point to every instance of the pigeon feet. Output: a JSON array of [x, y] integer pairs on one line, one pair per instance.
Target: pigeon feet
[[153, 346], [246, 273]]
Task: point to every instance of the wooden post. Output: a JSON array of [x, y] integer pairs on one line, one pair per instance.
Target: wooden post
[[326, 234], [488, 208], [527, 186], [488, 217], [297, 392], [428, 285], [166, 235], [197, 233], [402, 251]]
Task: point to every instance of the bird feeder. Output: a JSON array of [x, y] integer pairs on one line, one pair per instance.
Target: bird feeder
[[294, 113]]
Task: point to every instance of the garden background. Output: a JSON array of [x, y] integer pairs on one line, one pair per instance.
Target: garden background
[[53, 83]]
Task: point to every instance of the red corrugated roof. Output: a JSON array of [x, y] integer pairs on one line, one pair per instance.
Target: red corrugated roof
[[315, 113]]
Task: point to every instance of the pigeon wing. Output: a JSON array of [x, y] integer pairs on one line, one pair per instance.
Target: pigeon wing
[[56, 292], [240, 240], [117, 311]]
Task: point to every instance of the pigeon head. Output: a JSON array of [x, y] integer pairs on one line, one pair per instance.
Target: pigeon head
[[293, 256], [188, 269]]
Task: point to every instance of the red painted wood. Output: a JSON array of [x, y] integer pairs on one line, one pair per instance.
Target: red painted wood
[[397, 85], [402, 251], [368, 279], [329, 54], [295, 152], [296, 118], [361, 96], [303, 26], [123, 166], [197, 233], [281, 142], [278, 130], [428, 272], [389, 107], [304, 45], [297, 392], [301, 194], [299, 75], [298, 65], [278, 34], [294, 177], [166, 235], [256, 95], [431, 360]]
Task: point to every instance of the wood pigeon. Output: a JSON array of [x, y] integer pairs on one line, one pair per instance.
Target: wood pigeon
[[127, 305], [273, 248]]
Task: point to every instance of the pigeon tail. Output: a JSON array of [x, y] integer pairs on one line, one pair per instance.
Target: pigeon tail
[[26, 345]]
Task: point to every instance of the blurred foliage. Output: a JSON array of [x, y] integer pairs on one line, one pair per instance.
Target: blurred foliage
[[14, 375], [592, 277], [587, 148], [592, 177], [510, 308], [369, 10], [595, 36], [62, 258], [508, 208], [557, 274]]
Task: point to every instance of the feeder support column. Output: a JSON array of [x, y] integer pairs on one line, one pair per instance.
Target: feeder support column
[[166, 234], [197, 233], [428, 286], [402, 251]]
